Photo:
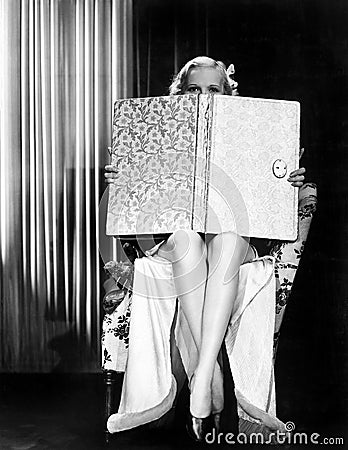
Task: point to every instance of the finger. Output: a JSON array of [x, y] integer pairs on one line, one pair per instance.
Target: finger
[[109, 180], [110, 168], [301, 152], [299, 171], [298, 178], [110, 175], [297, 184]]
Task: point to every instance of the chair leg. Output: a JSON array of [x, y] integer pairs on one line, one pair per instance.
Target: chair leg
[[109, 404]]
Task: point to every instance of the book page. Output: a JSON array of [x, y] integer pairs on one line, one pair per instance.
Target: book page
[[254, 147], [154, 142]]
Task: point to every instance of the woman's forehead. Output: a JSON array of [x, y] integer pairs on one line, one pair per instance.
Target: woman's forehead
[[206, 75]]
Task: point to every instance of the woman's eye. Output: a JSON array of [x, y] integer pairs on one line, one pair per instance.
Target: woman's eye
[[193, 89], [214, 90]]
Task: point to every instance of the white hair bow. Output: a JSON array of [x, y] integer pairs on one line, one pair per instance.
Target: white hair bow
[[230, 73]]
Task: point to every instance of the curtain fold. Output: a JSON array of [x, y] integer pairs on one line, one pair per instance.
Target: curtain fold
[[64, 63]]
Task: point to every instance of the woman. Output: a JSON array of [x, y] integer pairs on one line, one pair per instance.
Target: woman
[[206, 274]]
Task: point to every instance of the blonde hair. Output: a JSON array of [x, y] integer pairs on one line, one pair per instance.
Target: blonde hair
[[180, 80]]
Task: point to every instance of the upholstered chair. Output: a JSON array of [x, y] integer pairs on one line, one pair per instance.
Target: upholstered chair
[[118, 298]]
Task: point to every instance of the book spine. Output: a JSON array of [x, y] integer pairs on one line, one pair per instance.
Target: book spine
[[195, 168], [208, 115]]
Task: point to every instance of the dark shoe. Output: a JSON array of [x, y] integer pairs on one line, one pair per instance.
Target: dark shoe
[[198, 428], [216, 421]]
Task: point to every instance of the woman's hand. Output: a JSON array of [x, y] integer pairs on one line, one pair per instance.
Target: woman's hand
[[110, 173], [296, 178]]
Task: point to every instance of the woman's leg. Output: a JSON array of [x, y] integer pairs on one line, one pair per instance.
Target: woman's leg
[[226, 253], [187, 252]]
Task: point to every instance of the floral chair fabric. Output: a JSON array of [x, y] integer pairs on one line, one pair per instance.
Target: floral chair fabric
[[288, 254], [117, 302]]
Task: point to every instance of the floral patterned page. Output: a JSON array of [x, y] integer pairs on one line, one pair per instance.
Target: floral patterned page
[[254, 147], [154, 142]]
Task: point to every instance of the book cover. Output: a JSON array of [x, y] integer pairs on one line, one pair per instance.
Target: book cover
[[207, 163], [254, 145]]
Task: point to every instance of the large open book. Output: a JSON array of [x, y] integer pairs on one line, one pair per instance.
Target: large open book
[[207, 163]]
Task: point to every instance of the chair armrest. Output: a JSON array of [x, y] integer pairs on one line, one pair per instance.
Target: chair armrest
[[112, 299], [115, 335], [288, 254]]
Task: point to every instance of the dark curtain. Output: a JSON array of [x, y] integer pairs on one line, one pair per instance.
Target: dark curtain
[[63, 64], [295, 50]]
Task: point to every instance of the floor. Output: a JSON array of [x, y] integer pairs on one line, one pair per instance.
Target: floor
[[65, 412], [62, 411]]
